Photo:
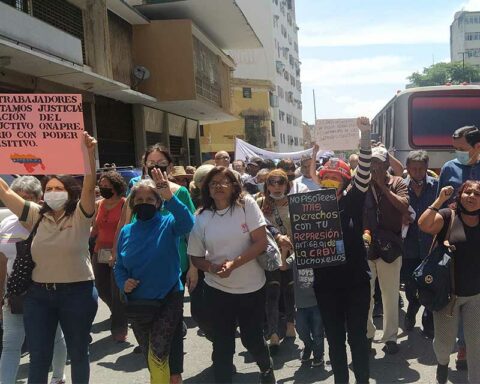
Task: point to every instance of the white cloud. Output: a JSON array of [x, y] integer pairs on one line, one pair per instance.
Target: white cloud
[[334, 34], [472, 5], [364, 71], [353, 107]]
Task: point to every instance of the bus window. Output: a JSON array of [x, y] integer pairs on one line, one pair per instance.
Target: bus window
[[433, 119]]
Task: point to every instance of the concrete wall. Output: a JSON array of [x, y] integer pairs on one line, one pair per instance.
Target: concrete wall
[[121, 48], [165, 47], [464, 23], [35, 33], [221, 136]]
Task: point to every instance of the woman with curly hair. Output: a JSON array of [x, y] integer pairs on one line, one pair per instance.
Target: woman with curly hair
[[109, 210], [274, 206], [228, 235]]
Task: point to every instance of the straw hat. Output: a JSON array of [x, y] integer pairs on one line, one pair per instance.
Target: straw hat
[[179, 171]]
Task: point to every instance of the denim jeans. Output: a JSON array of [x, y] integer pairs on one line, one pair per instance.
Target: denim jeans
[[310, 329], [74, 306], [13, 336]]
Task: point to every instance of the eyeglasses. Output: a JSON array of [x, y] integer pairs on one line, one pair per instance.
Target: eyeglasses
[[150, 164], [222, 184], [277, 182], [223, 158]]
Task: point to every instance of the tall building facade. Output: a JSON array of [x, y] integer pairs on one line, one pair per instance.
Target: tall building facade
[[148, 70], [274, 21], [465, 38]]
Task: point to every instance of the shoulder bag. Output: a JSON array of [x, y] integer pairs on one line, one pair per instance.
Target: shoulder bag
[[21, 277], [385, 244], [271, 259], [434, 277]]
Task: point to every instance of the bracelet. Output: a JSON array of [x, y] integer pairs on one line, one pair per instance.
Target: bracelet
[[433, 208]]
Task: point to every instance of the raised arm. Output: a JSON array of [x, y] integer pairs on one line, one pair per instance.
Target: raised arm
[[431, 221], [87, 199], [12, 201], [313, 165], [362, 175]]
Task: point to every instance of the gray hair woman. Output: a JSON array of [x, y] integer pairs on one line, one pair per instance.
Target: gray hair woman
[[11, 232]]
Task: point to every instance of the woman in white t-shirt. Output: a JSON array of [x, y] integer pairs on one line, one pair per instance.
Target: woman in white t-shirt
[[228, 235], [11, 232]]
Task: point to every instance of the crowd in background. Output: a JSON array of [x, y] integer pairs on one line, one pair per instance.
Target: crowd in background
[[141, 245]]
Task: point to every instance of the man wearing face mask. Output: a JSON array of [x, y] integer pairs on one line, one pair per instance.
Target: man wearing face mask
[[466, 166]]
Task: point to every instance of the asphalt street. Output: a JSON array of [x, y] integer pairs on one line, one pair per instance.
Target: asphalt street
[[115, 363]]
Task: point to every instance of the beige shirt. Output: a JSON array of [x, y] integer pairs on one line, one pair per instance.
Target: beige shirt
[[60, 249]]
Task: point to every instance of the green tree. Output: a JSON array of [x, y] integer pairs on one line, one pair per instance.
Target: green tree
[[442, 73]]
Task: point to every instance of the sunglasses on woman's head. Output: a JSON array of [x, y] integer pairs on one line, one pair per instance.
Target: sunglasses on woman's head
[[277, 181]]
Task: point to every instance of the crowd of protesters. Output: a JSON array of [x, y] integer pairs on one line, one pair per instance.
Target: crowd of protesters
[[140, 246]]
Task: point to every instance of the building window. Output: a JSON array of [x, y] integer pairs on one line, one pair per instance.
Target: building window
[[272, 123], [281, 115], [207, 72], [247, 93], [273, 100], [296, 140], [201, 131], [286, 75], [280, 91], [289, 118]]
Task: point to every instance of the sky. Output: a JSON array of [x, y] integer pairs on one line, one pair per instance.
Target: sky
[[356, 54]]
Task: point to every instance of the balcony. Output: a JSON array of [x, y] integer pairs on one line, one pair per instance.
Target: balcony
[[19, 27], [190, 76]]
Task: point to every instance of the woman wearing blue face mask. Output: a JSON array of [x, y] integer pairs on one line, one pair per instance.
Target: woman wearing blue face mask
[[63, 289], [148, 269]]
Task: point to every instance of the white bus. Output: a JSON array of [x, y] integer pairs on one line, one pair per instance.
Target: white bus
[[425, 118]]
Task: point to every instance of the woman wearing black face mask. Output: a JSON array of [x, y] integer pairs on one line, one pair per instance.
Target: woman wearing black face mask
[[109, 209], [465, 307], [148, 269], [157, 157]]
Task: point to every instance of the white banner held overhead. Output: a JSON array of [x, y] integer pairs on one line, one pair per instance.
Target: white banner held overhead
[[337, 134], [245, 151]]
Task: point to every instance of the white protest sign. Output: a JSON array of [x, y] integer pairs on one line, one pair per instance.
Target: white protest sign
[[337, 134]]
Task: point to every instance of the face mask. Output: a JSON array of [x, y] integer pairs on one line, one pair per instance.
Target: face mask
[[419, 183], [162, 169], [106, 193], [56, 200], [331, 184], [463, 157], [145, 211], [260, 186], [277, 197]]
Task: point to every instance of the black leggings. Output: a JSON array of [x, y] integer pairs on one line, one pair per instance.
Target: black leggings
[[279, 283], [154, 327], [345, 312]]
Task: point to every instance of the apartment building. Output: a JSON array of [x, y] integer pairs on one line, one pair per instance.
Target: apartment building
[[465, 38], [148, 71], [278, 62]]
